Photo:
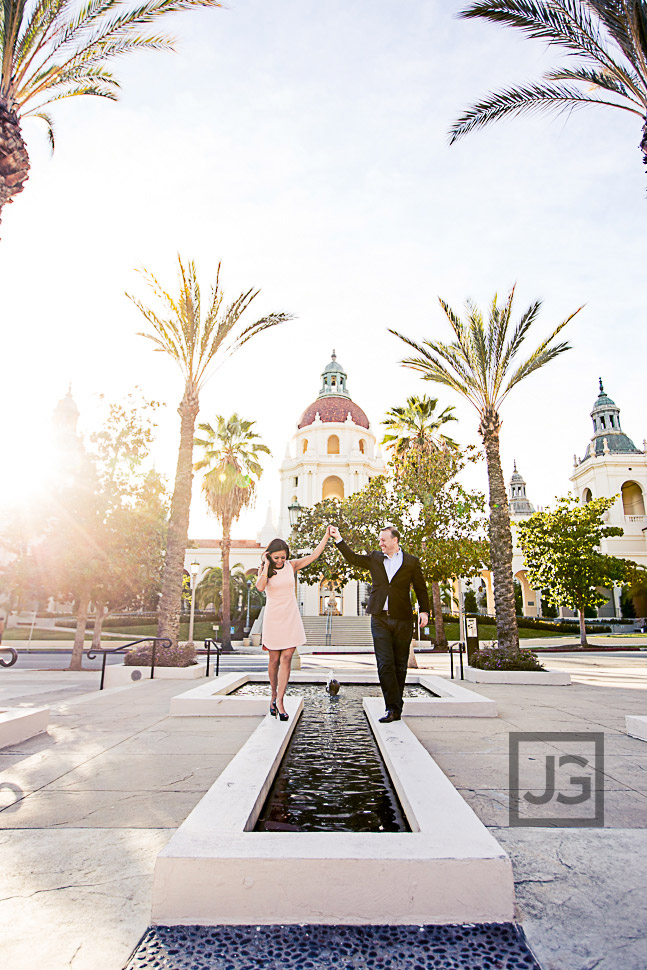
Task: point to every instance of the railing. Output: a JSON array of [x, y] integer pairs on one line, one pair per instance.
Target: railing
[[209, 643], [328, 637], [452, 650], [635, 518], [12, 660], [91, 654]]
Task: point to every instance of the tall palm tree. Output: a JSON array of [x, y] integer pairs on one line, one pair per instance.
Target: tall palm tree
[[53, 49], [417, 425], [195, 337], [481, 365], [231, 453], [610, 37]]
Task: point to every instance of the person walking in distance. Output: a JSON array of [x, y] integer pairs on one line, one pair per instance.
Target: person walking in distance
[[393, 573], [283, 628]]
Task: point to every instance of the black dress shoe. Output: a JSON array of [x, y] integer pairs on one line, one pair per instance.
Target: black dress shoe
[[390, 715]]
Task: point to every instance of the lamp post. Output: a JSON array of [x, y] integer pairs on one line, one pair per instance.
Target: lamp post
[[294, 511], [249, 589], [194, 569]]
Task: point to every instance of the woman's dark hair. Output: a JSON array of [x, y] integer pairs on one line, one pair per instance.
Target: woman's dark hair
[[276, 545]]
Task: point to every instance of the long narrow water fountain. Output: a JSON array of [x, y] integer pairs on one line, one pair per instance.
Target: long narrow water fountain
[[332, 777]]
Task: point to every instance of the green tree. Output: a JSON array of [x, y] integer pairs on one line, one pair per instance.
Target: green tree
[[609, 37], [195, 337], [209, 589], [231, 460], [561, 549], [444, 524], [482, 365], [53, 49], [417, 426]]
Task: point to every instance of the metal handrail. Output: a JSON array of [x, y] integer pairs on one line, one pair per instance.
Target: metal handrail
[[14, 657], [328, 637], [208, 644], [452, 651], [91, 654]]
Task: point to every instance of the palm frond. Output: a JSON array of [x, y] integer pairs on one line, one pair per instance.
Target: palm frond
[[525, 100], [43, 116]]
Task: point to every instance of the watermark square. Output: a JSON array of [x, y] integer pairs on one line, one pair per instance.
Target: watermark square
[[556, 779]]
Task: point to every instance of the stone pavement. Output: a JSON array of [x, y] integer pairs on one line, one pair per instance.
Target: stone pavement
[[86, 808]]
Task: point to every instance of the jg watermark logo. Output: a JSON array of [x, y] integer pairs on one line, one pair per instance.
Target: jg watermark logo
[[557, 779]]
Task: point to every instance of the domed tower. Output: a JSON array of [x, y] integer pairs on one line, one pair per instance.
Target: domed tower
[[517, 500], [613, 466], [332, 454], [69, 447]]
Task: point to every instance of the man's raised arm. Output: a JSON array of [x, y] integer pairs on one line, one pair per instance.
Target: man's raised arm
[[352, 557]]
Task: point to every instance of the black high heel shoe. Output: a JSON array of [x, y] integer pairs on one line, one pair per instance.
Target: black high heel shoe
[[273, 708], [283, 716]]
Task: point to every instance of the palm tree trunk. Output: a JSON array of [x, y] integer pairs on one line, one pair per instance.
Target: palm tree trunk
[[500, 536], [440, 637], [643, 143], [76, 663], [14, 160], [582, 618], [168, 624], [226, 583]]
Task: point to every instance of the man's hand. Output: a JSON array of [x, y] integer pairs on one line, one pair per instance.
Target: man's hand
[[334, 532], [423, 619]]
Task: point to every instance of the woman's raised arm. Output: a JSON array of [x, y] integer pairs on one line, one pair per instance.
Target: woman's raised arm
[[313, 556]]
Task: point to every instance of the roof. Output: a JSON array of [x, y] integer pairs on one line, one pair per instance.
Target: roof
[[216, 543], [333, 408]]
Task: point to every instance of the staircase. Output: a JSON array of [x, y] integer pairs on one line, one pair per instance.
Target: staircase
[[350, 634]]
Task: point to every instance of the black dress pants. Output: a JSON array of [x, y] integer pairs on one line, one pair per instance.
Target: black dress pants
[[391, 642]]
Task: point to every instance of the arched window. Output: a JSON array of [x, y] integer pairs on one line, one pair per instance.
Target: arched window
[[362, 445], [333, 487], [633, 502], [305, 445], [602, 422], [587, 496], [333, 444]]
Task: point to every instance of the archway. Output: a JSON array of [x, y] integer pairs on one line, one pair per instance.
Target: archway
[[587, 495], [530, 597], [633, 502], [331, 598], [333, 487], [333, 444]]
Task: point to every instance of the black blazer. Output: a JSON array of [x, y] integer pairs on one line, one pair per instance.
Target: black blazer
[[409, 574]]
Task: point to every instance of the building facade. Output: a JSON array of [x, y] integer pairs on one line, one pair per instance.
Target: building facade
[[332, 454]]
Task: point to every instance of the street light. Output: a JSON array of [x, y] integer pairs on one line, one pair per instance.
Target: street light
[[294, 511], [194, 569], [249, 589]]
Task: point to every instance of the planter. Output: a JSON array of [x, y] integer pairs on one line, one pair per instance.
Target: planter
[[119, 675], [19, 723], [546, 678]]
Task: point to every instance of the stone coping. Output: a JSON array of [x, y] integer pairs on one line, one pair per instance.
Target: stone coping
[[19, 723], [212, 698], [550, 678], [217, 870], [636, 726]]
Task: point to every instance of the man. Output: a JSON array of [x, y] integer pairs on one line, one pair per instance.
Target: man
[[393, 572]]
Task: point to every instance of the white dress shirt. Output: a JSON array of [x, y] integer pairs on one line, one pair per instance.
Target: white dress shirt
[[391, 566]]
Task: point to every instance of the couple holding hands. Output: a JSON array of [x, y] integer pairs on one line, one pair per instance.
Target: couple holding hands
[[393, 573]]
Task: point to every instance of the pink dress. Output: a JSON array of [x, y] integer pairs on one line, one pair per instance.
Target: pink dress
[[282, 623]]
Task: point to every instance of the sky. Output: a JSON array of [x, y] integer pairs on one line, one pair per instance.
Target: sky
[[305, 146]]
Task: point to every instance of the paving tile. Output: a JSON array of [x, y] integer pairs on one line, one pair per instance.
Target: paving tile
[[99, 809]]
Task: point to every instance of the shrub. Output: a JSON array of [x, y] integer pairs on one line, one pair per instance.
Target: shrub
[[493, 658], [164, 657]]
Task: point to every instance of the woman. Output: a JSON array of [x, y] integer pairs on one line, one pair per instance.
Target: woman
[[282, 624]]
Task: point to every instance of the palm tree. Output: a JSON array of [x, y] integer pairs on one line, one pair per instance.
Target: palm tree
[[417, 425], [195, 337], [54, 49], [610, 36], [481, 366], [231, 457]]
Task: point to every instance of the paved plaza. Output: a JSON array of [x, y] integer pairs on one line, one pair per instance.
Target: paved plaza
[[86, 808]]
